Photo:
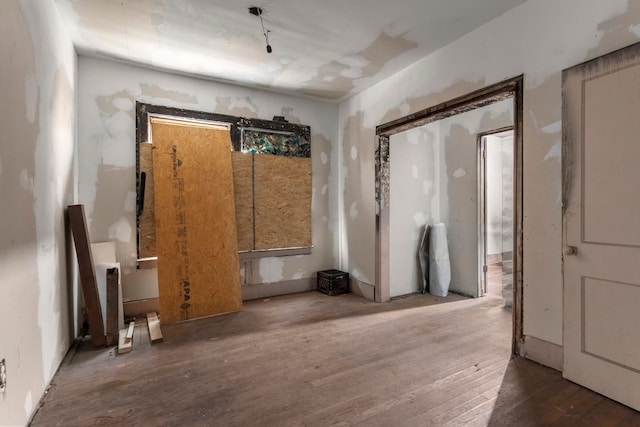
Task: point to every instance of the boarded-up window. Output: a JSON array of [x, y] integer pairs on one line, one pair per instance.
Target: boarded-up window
[[271, 164]]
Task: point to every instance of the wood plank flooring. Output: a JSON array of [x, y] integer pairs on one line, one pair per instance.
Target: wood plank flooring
[[313, 360]]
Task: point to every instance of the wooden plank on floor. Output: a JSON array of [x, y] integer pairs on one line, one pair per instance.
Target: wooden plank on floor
[[123, 345], [112, 306], [130, 329], [153, 324], [78, 225]]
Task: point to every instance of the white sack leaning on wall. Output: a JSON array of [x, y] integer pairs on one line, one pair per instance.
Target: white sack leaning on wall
[[439, 266]]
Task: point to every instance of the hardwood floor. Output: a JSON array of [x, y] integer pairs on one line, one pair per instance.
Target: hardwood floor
[[313, 360]]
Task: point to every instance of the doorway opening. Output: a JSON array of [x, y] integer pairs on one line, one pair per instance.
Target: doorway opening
[[511, 90], [495, 213]]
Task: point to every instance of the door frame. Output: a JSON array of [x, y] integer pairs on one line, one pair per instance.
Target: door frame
[[482, 205], [510, 88]]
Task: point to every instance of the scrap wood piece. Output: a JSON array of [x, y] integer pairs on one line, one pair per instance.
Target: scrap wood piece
[[78, 225], [130, 329], [153, 323], [123, 345], [112, 306]]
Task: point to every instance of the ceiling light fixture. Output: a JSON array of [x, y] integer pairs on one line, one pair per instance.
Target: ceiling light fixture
[[257, 11]]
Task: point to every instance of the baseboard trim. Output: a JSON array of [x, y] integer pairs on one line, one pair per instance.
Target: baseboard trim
[[266, 290], [543, 352], [140, 308], [363, 289]]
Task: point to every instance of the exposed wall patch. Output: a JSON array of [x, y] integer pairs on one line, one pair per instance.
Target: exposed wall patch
[[353, 211], [555, 127], [555, 152], [155, 91], [271, 270], [124, 104], [459, 173], [26, 182], [427, 186], [28, 404], [324, 158], [130, 202], [354, 152], [31, 96], [121, 230], [420, 218]]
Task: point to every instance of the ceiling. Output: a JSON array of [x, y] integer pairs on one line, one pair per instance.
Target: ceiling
[[323, 49]]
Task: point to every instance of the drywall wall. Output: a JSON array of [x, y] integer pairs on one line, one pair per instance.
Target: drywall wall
[[537, 39], [37, 182], [414, 161], [107, 93], [459, 197]]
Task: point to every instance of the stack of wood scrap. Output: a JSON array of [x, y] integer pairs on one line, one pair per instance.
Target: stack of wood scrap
[[125, 344]]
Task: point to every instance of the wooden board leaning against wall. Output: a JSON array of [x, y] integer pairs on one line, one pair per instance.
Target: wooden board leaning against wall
[[196, 239]]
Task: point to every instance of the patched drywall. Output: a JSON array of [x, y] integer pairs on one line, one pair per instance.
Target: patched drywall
[[357, 208], [107, 93], [538, 39], [415, 159], [459, 201], [37, 182]]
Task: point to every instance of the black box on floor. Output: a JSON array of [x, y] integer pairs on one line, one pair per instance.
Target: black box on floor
[[333, 282]]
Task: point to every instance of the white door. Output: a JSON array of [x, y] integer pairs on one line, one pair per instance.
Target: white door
[[601, 192]]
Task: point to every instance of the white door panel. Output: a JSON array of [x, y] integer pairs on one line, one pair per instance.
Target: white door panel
[[602, 221]]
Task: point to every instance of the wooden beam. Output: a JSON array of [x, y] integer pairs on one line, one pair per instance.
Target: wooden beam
[[78, 225], [471, 101], [153, 323], [112, 306]]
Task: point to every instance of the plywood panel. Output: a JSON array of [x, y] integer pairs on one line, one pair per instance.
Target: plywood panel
[[147, 231], [198, 269], [282, 187], [243, 189]]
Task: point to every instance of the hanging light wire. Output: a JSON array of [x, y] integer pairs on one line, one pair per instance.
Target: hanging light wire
[[257, 11]]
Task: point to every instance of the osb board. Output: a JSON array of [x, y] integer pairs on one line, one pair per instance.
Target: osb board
[[243, 189], [282, 199], [198, 268], [146, 223]]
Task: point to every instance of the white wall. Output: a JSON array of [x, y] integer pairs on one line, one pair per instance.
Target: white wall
[[538, 38], [459, 206], [107, 93], [499, 192], [414, 160], [37, 182]]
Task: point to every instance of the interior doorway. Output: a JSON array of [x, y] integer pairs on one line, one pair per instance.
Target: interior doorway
[[511, 89], [496, 212]]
